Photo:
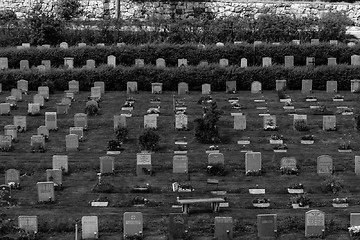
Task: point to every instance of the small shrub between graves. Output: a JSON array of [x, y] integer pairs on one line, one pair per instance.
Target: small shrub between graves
[[216, 170], [114, 145], [291, 224], [91, 110], [332, 184], [103, 187], [149, 140], [301, 125], [121, 134], [206, 130], [301, 199]]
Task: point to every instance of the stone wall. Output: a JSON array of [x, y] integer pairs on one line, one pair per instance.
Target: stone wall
[[96, 9]]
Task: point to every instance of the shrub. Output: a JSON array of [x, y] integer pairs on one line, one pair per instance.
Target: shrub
[[114, 145], [7, 15], [301, 125], [149, 140], [332, 184], [121, 134], [206, 130], [69, 9], [91, 110], [216, 170]]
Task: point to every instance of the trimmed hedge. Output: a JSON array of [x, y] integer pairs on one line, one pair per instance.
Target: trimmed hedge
[[116, 78], [126, 55]]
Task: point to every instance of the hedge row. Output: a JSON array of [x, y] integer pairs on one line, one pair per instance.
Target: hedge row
[[126, 55], [116, 78]]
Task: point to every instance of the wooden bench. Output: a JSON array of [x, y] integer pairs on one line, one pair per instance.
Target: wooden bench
[[215, 203]]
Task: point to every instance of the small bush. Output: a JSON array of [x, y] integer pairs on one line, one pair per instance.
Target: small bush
[[91, 110], [301, 126], [149, 140], [114, 145], [121, 134], [332, 184], [69, 9], [216, 170], [357, 122], [103, 187], [206, 130]]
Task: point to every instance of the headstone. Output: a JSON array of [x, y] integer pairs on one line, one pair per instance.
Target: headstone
[[139, 63], [289, 61], [143, 161], [120, 44], [90, 64], [178, 226], [79, 131], [269, 121], [72, 142], [0, 87], [47, 64], [310, 61], [64, 45], [23, 85], [55, 176], [150, 121], [332, 61], [180, 164], [133, 224], [182, 62], [333, 42], [69, 62], [306, 86], [6, 141], [51, 120], [224, 228], [240, 122], [12, 176], [230, 86], [203, 63], [131, 87], [156, 88], [324, 165], [44, 91], [74, 86], [351, 44], [10, 130], [224, 62], [4, 63], [80, 120], [256, 87], [5, 193], [25, 45], [12, 101], [33, 108], [183, 88], [95, 93], [4, 108], [257, 43], [181, 121], [220, 44], [62, 108], [16, 93], [329, 122], [90, 227], [331, 86], [46, 46], [37, 142], [243, 63], [81, 44], [206, 89], [354, 219], [101, 85], [119, 121], [24, 64], [355, 85], [216, 158], [45, 191], [355, 60], [28, 223], [315, 41], [299, 117], [252, 161], [266, 62], [107, 164], [314, 223], [288, 162], [280, 85], [267, 226], [39, 99], [42, 130], [60, 162], [160, 63], [111, 60], [20, 123], [357, 165]]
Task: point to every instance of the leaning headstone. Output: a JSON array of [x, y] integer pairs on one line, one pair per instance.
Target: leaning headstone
[[33, 108], [355, 85], [24, 65], [55, 176], [289, 61], [180, 164], [240, 122], [79, 131], [315, 41], [150, 121], [133, 224], [183, 88], [230, 86], [72, 142], [310, 61], [156, 88], [206, 88], [331, 86], [60, 162], [80, 120], [101, 85], [256, 87], [267, 226], [39, 99], [182, 62], [20, 123], [252, 161], [16, 93], [51, 120], [69, 62], [329, 123], [131, 87], [74, 86], [178, 226], [12, 177], [46, 191], [143, 164], [119, 121], [306, 86], [107, 164], [224, 62], [160, 63], [243, 63], [90, 227], [324, 165], [280, 85], [314, 223], [224, 228], [332, 62], [111, 60], [64, 45], [44, 91], [266, 62], [354, 219], [357, 165], [4, 108], [28, 223], [4, 63], [355, 60]]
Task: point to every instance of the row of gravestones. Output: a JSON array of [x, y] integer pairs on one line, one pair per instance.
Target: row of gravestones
[[160, 62], [178, 228]]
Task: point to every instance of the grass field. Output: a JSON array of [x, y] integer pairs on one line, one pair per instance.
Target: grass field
[[56, 221]]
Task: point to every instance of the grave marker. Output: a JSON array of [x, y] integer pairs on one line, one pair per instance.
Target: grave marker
[[331, 86], [289, 61], [107, 164], [252, 161], [37, 142], [269, 122], [23, 85], [243, 63], [139, 63], [143, 163], [28, 223], [216, 158], [42, 130], [206, 88], [150, 121], [230, 86], [180, 164], [203, 63], [69, 62], [314, 223], [223, 62], [90, 64], [46, 63], [12, 176], [355, 85], [329, 123], [44, 91], [131, 87], [133, 224], [62, 108], [16, 93], [80, 120], [60, 162], [288, 163], [355, 60], [95, 93], [256, 87], [74, 86], [178, 225], [24, 65], [306, 86], [354, 219], [119, 121], [156, 88], [315, 41], [20, 123], [72, 142], [33, 108], [331, 61], [39, 99], [182, 62], [266, 62], [299, 117], [81, 44], [240, 122], [4, 108], [5, 193], [357, 165], [101, 85], [45, 191], [224, 228], [90, 227], [64, 45], [333, 42], [160, 63], [51, 120], [6, 142], [4, 63], [55, 176], [10, 130], [280, 85], [324, 165], [79, 131], [267, 226], [111, 60], [181, 121], [310, 61], [183, 88]]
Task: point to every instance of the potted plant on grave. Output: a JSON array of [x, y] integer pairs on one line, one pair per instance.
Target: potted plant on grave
[[289, 170], [205, 99], [180, 149], [296, 188], [233, 100], [354, 232], [149, 140], [300, 201], [142, 189], [347, 111], [345, 147], [338, 98], [340, 202], [128, 104], [139, 201], [153, 110], [261, 202], [216, 170], [307, 139], [276, 139], [283, 97], [322, 110], [281, 148], [130, 99], [254, 172], [301, 125], [311, 98], [256, 190], [288, 105], [213, 149], [270, 126], [100, 202]]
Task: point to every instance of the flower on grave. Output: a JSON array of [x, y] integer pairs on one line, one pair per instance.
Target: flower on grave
[[301, 199], [345, 145], [281, 147], [307, 137], [261, 200], [297, 186], [340, 200], [288, 103], [354, 229], [338, 96], [276, 137]]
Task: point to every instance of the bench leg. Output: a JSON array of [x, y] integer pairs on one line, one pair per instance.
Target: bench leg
[[185, 208]]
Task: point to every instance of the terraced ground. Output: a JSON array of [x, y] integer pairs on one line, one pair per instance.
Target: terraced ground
[[57, 221]]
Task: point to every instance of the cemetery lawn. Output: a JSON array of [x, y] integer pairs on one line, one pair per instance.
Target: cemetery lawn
[[56, 221]]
